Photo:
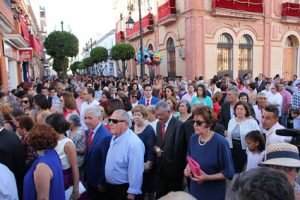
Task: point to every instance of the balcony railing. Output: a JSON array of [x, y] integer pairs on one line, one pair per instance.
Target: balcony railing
[[146, 21], [120, 36], [253, 6], [290, 9], [6, 12], [167, 9]]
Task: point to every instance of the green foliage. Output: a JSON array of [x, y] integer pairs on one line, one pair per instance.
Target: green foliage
[[61, 44], [122, 51], [74, 66], [99, 54], [61, 65], [87, 62], [81, 65]]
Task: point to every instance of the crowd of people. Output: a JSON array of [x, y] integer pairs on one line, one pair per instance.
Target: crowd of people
[[114, 138]]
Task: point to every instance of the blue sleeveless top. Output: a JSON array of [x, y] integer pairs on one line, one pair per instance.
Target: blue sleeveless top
[[57, 191]]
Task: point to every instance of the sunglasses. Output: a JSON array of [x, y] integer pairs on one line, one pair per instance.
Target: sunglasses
[[24, 101], [198, 122], [134, 97], [115, 121]]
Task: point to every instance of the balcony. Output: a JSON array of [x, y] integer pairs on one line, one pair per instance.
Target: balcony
[[146, 22], [36, 45], [120, 36], [6, 18], [250, 9], [290, 12], [167, 12]]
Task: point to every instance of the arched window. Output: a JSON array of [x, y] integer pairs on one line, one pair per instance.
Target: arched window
[[171, 57], [150, 47], [245, 55], [224, 55], [289, 42]]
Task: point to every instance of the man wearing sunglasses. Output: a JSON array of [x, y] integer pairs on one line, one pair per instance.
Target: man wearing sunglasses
[[170, 150], [124, 165]]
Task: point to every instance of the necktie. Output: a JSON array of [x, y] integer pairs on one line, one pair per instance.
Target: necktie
[[90, 139], [163, 131], [147, 102]]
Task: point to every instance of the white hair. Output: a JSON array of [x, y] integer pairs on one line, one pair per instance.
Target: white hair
[[162, 106], [98, 111], [123, 115], [177, 196]]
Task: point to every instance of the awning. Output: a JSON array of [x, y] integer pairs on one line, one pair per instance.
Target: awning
[[16, 39], [24, 28]]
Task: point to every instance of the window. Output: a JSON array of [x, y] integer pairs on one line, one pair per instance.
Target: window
[[289, 42], [245, 55], [224, 55], [171, 57]]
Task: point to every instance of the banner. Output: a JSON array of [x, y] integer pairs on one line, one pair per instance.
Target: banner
[[25, 55]]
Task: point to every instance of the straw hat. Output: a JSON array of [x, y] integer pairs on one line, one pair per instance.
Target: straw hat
[[282, 154]]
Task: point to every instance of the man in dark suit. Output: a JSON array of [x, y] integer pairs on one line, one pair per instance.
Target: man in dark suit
[[11, 154], [260, 83], [148, 99], [227, 108], [170, 150], [97, 143]]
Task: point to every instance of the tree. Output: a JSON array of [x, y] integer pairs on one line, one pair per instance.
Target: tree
[[60, 45], [87, 62], [122, 52], [74, 67], [81, 66], [59, 64], [98, 55]]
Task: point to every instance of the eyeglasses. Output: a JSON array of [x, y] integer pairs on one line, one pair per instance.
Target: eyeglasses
[[134, 97], [198, 122], [24, 101], [115, 121]]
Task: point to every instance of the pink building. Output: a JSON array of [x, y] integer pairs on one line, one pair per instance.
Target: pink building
[[208, 37]]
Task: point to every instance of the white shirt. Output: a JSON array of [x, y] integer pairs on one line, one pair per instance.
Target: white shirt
[[153, 124], [60, 150], [84, 106], [253, 159], [276, 99], [272, 138], [258, 115], [8, 186], [268, 93]]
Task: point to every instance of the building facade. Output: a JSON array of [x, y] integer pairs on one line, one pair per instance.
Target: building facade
[[209, 37], [20, 43], [107, 41]]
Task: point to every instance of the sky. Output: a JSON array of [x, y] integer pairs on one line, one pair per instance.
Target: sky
[[84, 18]]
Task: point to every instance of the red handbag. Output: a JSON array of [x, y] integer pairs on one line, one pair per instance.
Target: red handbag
[[194, 166]]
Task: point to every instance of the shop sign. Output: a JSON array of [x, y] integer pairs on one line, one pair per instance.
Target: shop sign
[[25, 55]]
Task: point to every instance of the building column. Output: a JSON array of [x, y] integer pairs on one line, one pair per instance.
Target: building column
[[20, 72], [267, 38], [3, 71], [195, 39]]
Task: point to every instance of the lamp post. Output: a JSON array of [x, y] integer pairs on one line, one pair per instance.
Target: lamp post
[[91, 43], [130, 26], [62, 25]]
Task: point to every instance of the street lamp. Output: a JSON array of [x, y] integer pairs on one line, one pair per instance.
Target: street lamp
[[130, 26]]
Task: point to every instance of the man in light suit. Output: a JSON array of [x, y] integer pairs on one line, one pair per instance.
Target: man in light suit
[[11, 154], [170, 150], [97, 143], [148, 99]]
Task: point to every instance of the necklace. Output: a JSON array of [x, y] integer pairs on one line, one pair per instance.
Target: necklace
[[207, 140]]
